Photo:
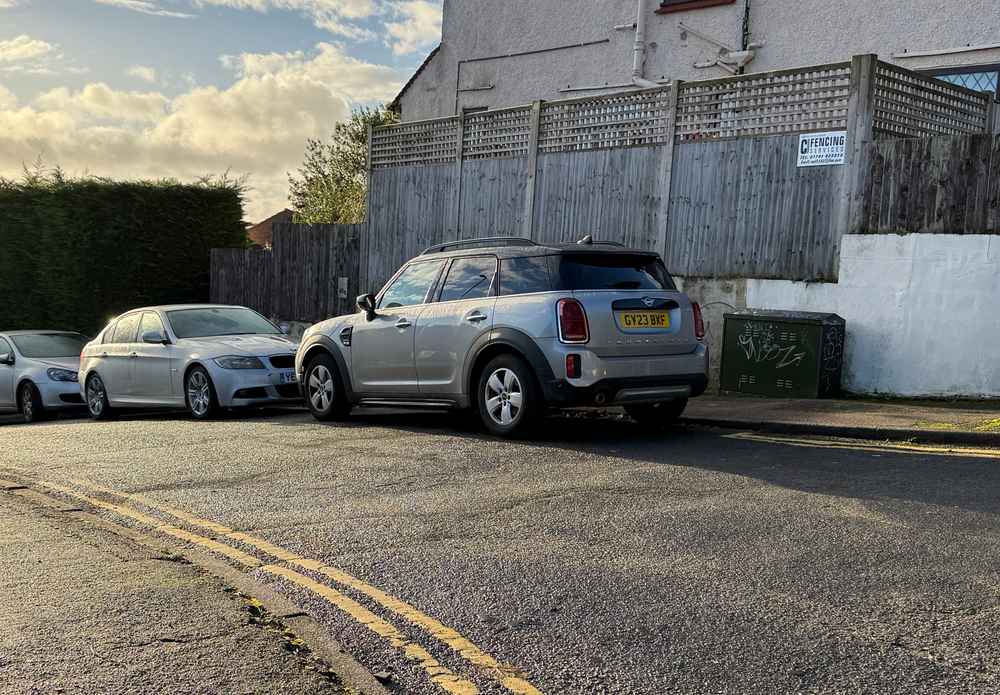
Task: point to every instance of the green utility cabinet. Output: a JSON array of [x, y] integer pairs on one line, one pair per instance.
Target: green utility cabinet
[[792, 354]]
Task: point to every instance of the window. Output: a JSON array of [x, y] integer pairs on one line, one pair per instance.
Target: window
[[681, 5], [49, 345], [412, 285], [612, 271], [469, 278], [150, 322], [126, 329], [216, 321], [524, 275], [981, 78]]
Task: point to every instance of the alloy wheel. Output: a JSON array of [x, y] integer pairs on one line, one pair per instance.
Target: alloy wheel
[[320, 386], [199, 393], [27, 403], [95, 396], [504, 396]]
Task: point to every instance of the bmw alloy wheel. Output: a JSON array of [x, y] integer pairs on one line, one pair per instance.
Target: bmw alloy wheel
[[199, 393], [504, 397], [95, 396], [320, 387]]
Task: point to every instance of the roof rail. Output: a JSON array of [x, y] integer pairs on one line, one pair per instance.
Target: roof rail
[[473, 243]]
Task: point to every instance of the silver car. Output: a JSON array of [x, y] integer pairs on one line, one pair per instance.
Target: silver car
[[202, 357], [38, 372], [510, 328]]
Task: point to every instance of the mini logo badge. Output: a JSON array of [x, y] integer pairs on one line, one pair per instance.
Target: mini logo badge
[[648, 301]]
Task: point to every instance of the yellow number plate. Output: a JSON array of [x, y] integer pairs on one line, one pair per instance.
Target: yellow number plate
[[641, 320]]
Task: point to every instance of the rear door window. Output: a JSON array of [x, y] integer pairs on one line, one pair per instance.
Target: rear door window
[[469, 278], [126, 329], [611, 271], [524, 275]]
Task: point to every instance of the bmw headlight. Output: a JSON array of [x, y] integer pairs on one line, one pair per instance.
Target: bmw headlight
[[61, 374], [237, 362]]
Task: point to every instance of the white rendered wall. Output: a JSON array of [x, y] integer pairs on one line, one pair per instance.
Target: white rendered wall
[[922, 311]]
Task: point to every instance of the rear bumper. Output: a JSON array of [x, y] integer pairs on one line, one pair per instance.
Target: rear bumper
[[561, 393], [624, 380]]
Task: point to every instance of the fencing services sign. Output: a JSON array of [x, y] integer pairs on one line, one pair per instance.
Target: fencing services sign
[[822, 149]]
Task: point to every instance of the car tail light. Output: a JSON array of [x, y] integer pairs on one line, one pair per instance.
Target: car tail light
[[572, 366], [699, 321], [572, 322]]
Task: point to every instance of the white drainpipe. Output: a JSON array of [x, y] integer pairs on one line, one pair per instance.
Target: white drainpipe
[[639, 50]]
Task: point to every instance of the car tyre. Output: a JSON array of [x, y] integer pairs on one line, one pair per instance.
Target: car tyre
[[199, 394], [508, 397], [97, 399], [325, 395], [32, 408], [657, 414]]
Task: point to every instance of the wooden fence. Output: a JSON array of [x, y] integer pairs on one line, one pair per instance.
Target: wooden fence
[[942, 185], [310, 273], [704, 172]]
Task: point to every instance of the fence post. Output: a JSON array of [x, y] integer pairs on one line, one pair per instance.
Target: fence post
[[459, 156], [528, 224], [365, 225], [662, 218], [860, 133]]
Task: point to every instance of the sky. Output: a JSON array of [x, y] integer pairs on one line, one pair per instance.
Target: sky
[[185, 88]]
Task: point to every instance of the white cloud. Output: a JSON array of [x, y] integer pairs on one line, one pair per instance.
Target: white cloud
[[99, 101], [257, 125], [339, 17], [419, 26], [142, 72], [6, 4], [150, 7], [23, 48], [7, 99]]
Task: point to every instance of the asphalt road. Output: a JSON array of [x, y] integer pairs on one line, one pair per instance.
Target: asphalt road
[[597, 558]]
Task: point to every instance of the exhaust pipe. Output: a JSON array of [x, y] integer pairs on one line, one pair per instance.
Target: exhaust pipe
[[600, 398]]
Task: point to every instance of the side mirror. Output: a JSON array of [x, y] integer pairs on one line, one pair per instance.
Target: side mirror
[[285, 329], [366, 303], [155, 338], [7, 358]]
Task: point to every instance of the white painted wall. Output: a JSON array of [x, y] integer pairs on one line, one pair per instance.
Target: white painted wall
[[796, 32], [922, 311]]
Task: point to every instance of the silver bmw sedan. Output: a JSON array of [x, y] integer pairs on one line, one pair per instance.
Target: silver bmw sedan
[[202, 357]]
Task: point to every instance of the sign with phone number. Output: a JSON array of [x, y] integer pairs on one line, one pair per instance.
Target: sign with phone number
[[822, 149]]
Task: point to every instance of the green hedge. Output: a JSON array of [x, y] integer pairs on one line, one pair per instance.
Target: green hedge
[[75, 252]]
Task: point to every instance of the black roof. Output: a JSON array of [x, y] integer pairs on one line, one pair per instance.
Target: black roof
[[519, 248]]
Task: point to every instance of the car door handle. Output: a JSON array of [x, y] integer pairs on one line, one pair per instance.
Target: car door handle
[[476, 317], [403, 323]]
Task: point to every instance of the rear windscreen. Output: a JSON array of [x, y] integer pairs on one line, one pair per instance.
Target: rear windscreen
[[611, 271]]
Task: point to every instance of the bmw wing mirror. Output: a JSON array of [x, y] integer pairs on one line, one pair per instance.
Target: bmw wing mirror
[[366, 303], [7, 358], [285, 329], [155, 338]]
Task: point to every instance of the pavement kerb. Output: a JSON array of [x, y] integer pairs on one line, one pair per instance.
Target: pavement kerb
[[983, 439], [352, 673]]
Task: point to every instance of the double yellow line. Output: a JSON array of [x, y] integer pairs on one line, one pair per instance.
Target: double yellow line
[[880, 447], [508, 676]]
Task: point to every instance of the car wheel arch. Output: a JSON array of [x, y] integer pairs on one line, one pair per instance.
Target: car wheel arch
[[325, 346], [506, 341]]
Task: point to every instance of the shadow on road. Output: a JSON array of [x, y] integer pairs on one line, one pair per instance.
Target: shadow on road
[[967, 483]]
